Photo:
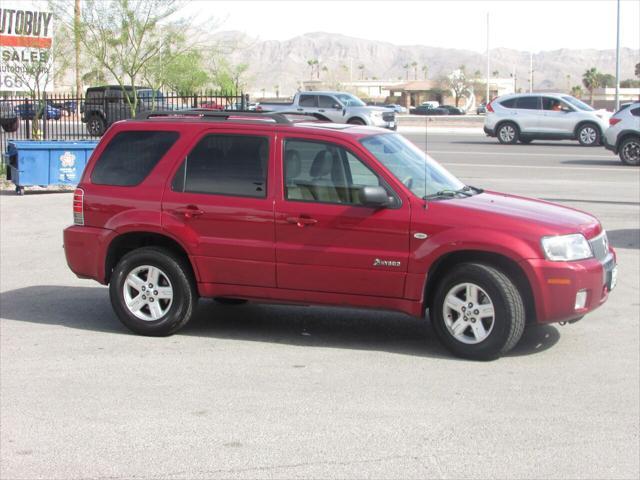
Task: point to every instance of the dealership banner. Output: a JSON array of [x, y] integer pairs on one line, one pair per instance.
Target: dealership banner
[[26, 38]]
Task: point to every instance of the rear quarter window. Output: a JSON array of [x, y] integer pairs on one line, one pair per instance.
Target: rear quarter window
[[130, 156], [508, 103], [635, 112]]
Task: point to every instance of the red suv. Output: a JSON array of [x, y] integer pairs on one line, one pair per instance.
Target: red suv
[[251, 206]]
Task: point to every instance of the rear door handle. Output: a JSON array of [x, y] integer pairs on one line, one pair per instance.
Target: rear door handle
[[189, 211], [301, 222]]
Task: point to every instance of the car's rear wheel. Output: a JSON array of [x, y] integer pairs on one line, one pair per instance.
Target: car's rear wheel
[[96, 125], [478, 312], [152, 291], [589, 135], [629, 151], [508, 133]]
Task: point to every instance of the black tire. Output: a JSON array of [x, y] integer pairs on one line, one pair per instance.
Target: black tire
[[96, 125], [179, 274], [588, 135], [10, 126], [356, 121], [509, 313], [629, 151], [508, 133], [230, 301], [526, 141]]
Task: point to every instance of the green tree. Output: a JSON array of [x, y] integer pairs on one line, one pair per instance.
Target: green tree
[[630, 83], [458, 83], [590, 80], [576, 91], [606, 80]]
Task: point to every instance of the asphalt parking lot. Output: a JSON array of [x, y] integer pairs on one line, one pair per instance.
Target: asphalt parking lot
[[261, 391]]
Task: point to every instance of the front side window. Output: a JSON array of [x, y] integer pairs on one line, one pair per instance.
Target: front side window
[[324, 172], [130, 156], [233, 165], [554, 104], [325, 101], [410, 165], [350, 100]]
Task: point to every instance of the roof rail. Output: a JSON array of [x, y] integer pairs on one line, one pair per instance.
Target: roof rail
[[280, 118]]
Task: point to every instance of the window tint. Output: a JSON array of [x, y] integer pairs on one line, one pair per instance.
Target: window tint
[[323, 172], [635, 112], [326, 102], [509, 103], [130, 156], [528, 103], [225, 165], [307, 100]]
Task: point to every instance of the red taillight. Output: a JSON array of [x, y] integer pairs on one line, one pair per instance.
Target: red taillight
[[489, 107], [78, 207], [613, 121]]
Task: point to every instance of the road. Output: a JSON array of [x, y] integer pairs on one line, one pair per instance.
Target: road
[[261, 391]]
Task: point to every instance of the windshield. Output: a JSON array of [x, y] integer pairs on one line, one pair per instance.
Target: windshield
[[409, 165], [349, 100], [578, 104]]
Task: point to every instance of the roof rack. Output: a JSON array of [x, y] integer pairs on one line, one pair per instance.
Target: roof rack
[[219, 115]]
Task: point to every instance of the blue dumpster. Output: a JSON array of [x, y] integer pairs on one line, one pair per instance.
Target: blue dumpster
[[45, 163]]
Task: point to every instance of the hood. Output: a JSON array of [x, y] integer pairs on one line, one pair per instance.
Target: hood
[[536, 217], [368, 108]]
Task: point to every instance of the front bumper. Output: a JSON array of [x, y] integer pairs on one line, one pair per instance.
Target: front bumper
[[556, 284]]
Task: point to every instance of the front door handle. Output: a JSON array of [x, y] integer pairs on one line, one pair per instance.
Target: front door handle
[[189, 211], [301, 222], [321, 109]]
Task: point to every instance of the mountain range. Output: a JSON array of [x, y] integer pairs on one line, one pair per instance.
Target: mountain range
[[284, 64]]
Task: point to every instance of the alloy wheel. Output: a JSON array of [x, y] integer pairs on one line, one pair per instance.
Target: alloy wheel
[[148, 293], [468, 313]]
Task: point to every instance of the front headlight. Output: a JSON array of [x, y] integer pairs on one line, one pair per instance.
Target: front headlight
[[565, 248]]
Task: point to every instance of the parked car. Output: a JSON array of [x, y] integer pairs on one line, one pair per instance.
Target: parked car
[[431, 103], [428, 110], [338, 107], [8, 116], [623, 135], [453, 110], [262, 207], [106, 105], [396, 108], [28, 111], [525, 117], [482, 108]]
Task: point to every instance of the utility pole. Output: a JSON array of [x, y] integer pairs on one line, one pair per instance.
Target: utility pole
[[76, 39], [487, 99], [530, 72], [618, 60]]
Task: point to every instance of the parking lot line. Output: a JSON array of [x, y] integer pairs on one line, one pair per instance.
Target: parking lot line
[[528, 154], [539, 167]]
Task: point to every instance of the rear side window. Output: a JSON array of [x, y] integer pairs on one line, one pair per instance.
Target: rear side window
[[130, 156], [308, 101], [225, 165], [528, 103], [509, 103]]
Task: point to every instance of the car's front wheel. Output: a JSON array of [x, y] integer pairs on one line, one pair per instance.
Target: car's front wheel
[[508, 133], [629, 151], [152, 291], [589, 135], [10, 126], [478, 312]]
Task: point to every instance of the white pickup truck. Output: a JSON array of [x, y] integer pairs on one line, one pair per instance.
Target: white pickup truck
[[336, 107]]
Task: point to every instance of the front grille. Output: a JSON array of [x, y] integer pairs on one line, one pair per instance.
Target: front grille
[[600, 246], [388, 116]]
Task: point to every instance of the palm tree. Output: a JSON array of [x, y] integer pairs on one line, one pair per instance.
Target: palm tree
[[361, 68], [591, 81], [576, 91], [406, 68], [425, 71], [325, 69], [311, 63], [415, 70]]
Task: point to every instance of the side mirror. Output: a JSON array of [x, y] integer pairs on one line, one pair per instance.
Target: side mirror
[[567, 110], [337, 106], [374, 197]]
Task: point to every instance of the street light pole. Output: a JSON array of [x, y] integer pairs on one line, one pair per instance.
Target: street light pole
[[487, 99], [618, 60]]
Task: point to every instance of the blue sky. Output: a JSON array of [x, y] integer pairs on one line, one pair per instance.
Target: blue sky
[[520, 24]]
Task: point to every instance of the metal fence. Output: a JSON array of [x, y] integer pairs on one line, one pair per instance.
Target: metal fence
[[67, 117]]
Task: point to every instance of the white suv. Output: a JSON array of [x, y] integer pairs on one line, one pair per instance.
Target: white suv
[[623, 136], [550, 116]]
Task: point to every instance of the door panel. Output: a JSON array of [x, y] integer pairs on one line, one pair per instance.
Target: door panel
[[528, 113], [327, 242], [231, 237], [554, 120]]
